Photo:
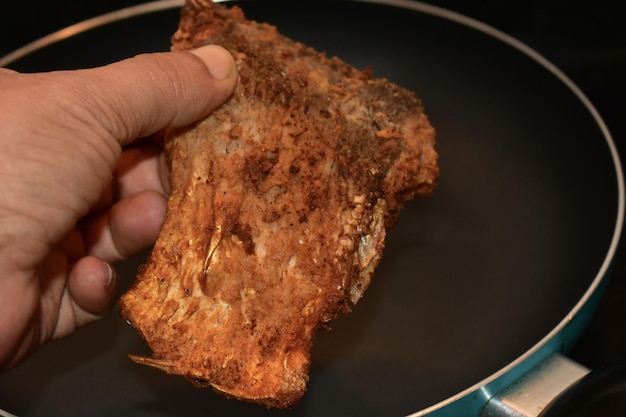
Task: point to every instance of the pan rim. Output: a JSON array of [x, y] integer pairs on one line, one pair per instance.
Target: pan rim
[[159, 5]]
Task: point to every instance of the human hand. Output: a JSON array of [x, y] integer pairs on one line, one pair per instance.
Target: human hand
[[73, 198]]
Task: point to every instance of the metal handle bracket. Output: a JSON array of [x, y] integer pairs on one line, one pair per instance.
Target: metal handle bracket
[[530, 394]]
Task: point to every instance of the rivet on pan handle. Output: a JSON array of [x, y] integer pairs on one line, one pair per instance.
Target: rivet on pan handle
[[530, 394]]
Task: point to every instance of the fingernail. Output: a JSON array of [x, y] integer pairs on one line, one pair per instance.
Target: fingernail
[[109, 280], [218, 61]]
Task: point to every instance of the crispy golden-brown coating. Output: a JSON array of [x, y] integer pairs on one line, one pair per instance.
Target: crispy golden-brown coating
[[278, 213]]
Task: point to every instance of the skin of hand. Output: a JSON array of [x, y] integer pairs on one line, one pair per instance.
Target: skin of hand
[[76, 194]]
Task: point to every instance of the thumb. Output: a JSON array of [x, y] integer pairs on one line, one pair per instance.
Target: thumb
[[139, 96]]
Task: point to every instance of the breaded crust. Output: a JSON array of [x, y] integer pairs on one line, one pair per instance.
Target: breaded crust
[[278, 213]]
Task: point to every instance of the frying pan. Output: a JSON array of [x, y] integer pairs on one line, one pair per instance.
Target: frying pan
[[483, 285]]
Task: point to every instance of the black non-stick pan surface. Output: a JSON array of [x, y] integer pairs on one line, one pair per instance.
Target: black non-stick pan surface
[[523, 224]]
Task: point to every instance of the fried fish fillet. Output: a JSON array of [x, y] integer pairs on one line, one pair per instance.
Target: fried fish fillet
[[279, 208]]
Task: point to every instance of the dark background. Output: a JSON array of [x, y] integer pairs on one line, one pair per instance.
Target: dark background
[[586, 40]]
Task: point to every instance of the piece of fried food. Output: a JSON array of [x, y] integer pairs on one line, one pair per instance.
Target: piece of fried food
[[278, 213]]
